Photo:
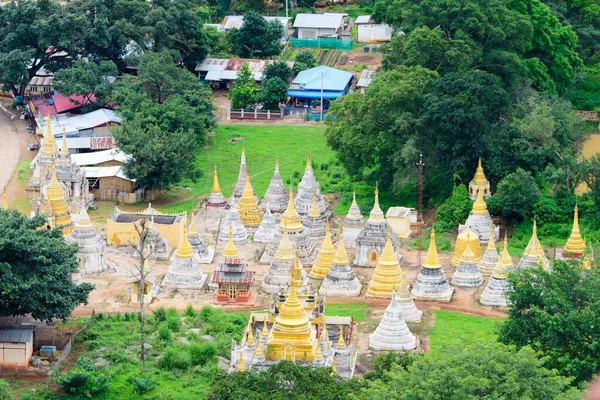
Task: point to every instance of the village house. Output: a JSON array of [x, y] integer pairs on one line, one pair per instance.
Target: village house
[[370, 32], [221, 72], [237, 21], [366, 76], [312, 26], [16, 348], [312, 84]]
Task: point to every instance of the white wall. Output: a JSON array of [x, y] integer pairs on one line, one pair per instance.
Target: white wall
[[374, 33], [313, 33]]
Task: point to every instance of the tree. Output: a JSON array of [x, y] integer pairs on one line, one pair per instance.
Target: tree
[[455, 210], [259, 38], [87, 79], [244, 91], [516, 195], [556, 312], [304, 60], [472, 371], [279, 69], [273, 92], [35, 269], [84, 381]]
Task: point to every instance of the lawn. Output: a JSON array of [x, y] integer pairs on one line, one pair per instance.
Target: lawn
[[358, 310], [451, 327]]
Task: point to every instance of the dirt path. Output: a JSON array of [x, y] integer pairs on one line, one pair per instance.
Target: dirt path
[[9, 137]]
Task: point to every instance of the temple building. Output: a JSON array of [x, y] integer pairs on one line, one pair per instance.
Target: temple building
[[184, 272], [70, 176], [90, 243], [373, 237], [120, 227], [292, 225], [232, 218], [431, 283], [54, 206], [278, 275], [467, 273], [534, 256], [353, 223], [479, 182], [241, 182], [268, 227], [201, 250], [467, 236], [575, 246], [479, 221], [250, 213], [216, 199], [276, 194], [306, 188], [488, 262], [232, 276], [411, 314], [399, 220], [340, 280], [392, 333], [387, 275], [150, 289], [494, 293], [314, 223], [321, 267]]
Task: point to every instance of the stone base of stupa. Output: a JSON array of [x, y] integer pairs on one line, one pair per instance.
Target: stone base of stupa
[[431, 285], [493, 295], [467, 279], [185, 283], [208, 256], [411, 314], [488, 262], [340, 288], [562, 255], [393, 341], [533, 262], [480, 224], [350, 234]]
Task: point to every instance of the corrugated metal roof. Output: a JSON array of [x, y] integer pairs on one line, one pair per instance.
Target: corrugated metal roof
[[41, 81], [212, 64], [334, 21], [366, 77], [16, 336], [76, 123], [98, 157], [362, 19], [214, 76], [105, 172], [228, 69], [332, 79], [232, 21]]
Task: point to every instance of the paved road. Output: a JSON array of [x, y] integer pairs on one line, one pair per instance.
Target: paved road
[[9, 148]]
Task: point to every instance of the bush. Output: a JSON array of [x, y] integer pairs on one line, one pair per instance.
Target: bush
[[455, 210], [160, 314], [174, 358], [546, 211], [172, 313], [189, 311], [4, 391], [116, 355], [84, 381], [174, 324], [143, 385], [164, 334], [201, 354]]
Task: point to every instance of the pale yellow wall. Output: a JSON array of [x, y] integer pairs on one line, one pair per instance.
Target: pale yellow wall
[[401, 226], [15, 353], [124, 233]]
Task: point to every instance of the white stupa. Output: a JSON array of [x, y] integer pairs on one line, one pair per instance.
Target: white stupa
[[392, 334]]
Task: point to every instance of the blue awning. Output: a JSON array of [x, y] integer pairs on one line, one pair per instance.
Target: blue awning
[[309, 94]]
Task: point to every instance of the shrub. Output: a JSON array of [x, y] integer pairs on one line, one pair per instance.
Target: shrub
[[546, 211], [160, 314], [164, 334], [189, 311], [455, 210], [116, 355], [172, 312], [174, 324], [174, 358], [143, 385], [84, 381], [201, 354], [324, 167], [296, 174], [4, 391]]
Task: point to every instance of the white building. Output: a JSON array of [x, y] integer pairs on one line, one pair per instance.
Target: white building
[[237, 21], [312, 26], [370, 32]]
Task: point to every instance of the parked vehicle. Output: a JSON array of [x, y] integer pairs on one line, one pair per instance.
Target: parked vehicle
[[33, 147]]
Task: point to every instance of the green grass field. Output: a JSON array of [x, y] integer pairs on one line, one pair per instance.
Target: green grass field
[[359, 310], [452, 327]]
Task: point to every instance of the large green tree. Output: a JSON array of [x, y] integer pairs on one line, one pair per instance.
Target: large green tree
[[87, 79], [35, 269], [259, 38], [244, 92], [557, 312], [516, 195]]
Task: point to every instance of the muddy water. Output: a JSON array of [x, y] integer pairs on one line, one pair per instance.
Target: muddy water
[[590, 148]]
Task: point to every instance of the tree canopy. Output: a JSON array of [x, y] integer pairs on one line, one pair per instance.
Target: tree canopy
[[35, 269], [259, 38], [87, 79]]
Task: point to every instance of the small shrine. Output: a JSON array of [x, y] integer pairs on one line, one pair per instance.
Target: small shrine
[[232, 219], [411, 314], [314, 223], [149, 287], [268, 227], [479, 182], [392, 333], [467, 272], [184, 272], [250, 213], [387, 275], [399, 220], [306, 188], [232, 276], [324, 258], [488, 262], [466, 237], [276, 195], [431, 283], [340, 280], [479, 221], [534, 255], [353, 223], [494, 293], [216, 199]]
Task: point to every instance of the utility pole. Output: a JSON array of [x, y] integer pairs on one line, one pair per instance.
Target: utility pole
[[420, 210], [286, 8], [321, 96]]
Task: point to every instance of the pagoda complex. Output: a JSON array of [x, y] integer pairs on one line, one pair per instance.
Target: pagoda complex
[[488, 262], [232, 218], [575, 246], [392, 333], [241, 182], [184, 272], [494, 293], [353, 223], [431, 283], [276, 195], [314, 223], [373, 237], [216, 199], [278, 275], [90, 243], [466, 237], [292, 225], [387, 275], [407, 305], [467, 272], [232, 276], [54, 206], [340, 280], [321, 267], [268, 227], [250, 213], [534, 256], [70, 176], [479, 182], [479, 221], [306, 188]]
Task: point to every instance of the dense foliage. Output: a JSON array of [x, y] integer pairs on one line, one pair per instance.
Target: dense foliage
[[259, 37], [244, 92], [35, 269]]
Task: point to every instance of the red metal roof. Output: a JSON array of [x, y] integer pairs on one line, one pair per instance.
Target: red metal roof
[[63, 103]]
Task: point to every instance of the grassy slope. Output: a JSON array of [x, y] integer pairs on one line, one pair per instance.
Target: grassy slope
[[453, 327]]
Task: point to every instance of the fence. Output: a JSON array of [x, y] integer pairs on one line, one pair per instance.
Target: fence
[[254, 114], [323, 43], [587, 115]]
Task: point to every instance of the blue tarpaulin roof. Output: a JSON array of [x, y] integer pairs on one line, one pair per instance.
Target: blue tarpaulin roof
[[314, 94], [333, 79]]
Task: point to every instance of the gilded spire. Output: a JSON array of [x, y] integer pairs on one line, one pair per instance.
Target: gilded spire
[[325, 256], [290, 220], [333, 367], [479, 177], [265, 331], [292, 317], [309, 162], [296, 272], [4, 200], [376, 214], [341, 344], [84, 219], [250, 341], [215, 186], [387, 274], [314, 210], [318, 353], [575, 244], [248, 209], [468, 256], [432, 261], [534, 247], [48, 142], [479, 207], [341, 257], [241, 367], [285, 250], [259, 351], [504, 262], [193, 232], [184, 250], [492, 243], [230, 251]]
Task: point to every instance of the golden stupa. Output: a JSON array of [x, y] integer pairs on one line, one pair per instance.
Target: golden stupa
[[534, 253], [479, 182], [230, 251], [387, 276], [432, 261], [48, 141], [324, 258], [216, 196], [250, 213], [291, 336], [290, 220], [314, 209], [466, 236], [505, 262], [575, 245], [296, 272], [184, 249], [57, 210], [479, 206]]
